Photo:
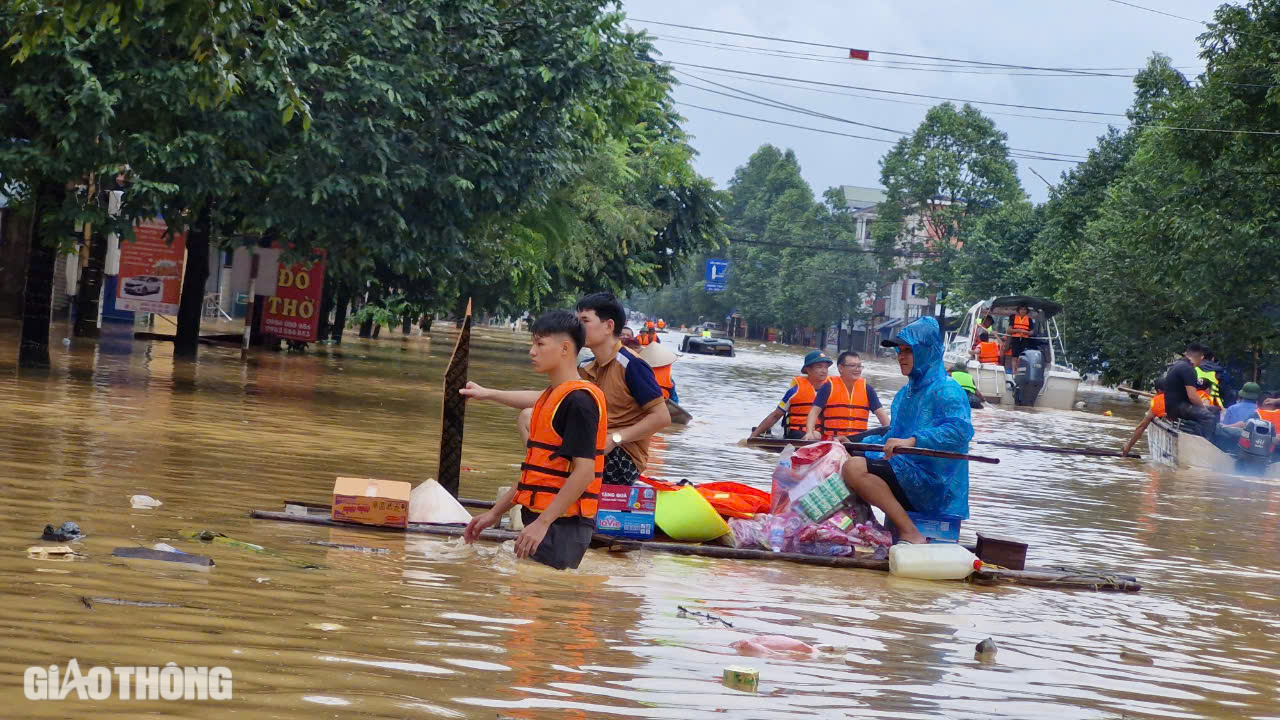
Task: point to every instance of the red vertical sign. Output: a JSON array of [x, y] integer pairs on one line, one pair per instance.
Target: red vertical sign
[[293, 313]]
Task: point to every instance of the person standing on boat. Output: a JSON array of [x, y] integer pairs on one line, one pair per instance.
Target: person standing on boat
[[848, 406], [1021, 328], [806, 391], [960, 373], [930, 412], [564, 457], [1181, 398]]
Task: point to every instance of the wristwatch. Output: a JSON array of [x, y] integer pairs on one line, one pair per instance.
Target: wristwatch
[[617, 438]]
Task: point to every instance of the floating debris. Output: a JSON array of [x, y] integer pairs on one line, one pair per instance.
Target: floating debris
[[67, 532], [685, 612], [346, 546], [985, 650], [196, 562], [144, 502], [56, 553]]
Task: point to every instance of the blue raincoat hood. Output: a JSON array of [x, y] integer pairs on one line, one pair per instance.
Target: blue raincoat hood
[[933, 409]]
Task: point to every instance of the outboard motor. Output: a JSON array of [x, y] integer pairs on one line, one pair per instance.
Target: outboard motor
[[1257, 442], [1029, 378]]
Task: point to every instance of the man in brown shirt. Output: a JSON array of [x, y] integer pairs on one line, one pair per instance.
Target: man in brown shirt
[[633, 399], [636, 406]]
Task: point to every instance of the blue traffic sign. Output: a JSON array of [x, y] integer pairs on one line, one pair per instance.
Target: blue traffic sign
[[717, 274]]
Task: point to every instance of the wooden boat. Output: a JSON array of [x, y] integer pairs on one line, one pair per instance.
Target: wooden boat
[[1052, 577], [1172, 446], [679, 416]]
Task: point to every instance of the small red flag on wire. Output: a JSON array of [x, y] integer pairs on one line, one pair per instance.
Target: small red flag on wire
[[859, 54]]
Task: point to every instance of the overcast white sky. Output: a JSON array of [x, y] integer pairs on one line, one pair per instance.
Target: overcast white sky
[[1083, 33]]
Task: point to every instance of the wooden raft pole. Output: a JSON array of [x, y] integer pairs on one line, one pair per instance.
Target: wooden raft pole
[[777, 445], [1065, 578], [454, 410], [1133, 391]]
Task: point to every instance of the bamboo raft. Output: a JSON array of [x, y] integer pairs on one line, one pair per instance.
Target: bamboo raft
[[1065, 578]]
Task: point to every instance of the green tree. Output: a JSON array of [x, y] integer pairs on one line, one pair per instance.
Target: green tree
[[939, 181]]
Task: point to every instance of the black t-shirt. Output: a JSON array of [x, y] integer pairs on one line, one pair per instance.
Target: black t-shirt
[[1180, 374], [575, 422]]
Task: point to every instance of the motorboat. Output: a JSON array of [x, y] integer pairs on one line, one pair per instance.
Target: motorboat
[[1039, 377], [1171, 443]]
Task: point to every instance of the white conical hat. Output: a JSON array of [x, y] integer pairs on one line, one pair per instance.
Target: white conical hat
[[657, 355]]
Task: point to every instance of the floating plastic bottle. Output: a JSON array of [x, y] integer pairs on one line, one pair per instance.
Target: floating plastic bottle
[[936, 561]]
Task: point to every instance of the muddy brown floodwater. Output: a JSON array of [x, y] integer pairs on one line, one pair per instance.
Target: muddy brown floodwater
[[433, 629]]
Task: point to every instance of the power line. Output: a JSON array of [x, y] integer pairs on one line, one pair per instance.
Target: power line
[[913, 67], [1158, 12], [903, 102], [769, 102], [828, 248], [897, 92], [846, 48], [735, 74], [848, 135], [880, 63]]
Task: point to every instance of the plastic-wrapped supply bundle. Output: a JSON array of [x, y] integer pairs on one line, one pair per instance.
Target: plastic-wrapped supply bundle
[[789, 532], [802, 470]]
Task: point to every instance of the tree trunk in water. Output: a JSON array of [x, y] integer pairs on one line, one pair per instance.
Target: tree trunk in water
[[366, 328], [377, 329], [256, 338], [37, 298], [340, 315], [426, 322], [326, 307], [90, 293], [406, 324], [191, 306]]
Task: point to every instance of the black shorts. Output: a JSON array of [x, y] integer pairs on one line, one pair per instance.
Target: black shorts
[[883, 470], [620, 469], [566, 541]]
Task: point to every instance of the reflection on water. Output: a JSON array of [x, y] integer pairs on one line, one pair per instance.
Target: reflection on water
[[433, 628]]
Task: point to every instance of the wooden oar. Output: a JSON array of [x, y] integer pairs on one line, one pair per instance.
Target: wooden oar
[[1059, 450], [777, 445], [679, 416], [455, 407], [1132, 391]]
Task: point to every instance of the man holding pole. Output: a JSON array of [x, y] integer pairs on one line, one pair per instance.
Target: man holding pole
[[931, 412]]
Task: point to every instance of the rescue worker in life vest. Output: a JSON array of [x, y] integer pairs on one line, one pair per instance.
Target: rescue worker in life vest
[[851, 402], [1021, 328], [986, 351], [564, 458], [806, 390], [960, 373], [648, 335]]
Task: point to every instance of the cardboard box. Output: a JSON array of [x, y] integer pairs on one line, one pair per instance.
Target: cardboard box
[[626, 511], [371, 502]]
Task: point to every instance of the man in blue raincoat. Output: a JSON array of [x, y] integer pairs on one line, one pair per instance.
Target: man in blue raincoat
[[930, 412]]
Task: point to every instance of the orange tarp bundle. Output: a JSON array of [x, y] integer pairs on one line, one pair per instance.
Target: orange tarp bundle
[[730, 499]]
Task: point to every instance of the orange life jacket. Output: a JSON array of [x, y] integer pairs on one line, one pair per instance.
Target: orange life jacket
[[989, 352], [801, 403], [1020, 327], [1157, 405], [847, 410], [663, 376], [541, 474], [646, 338], [662, 324], [1271, 416]]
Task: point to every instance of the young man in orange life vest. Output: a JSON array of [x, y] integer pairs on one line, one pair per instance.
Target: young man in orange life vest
[[806, 391], [986, 351], [851, 402], [564, 457]]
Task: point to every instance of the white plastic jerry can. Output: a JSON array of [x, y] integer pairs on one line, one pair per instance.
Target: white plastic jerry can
[[934, 561]]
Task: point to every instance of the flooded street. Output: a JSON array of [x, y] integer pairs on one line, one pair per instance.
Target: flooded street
[[434, 629]]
